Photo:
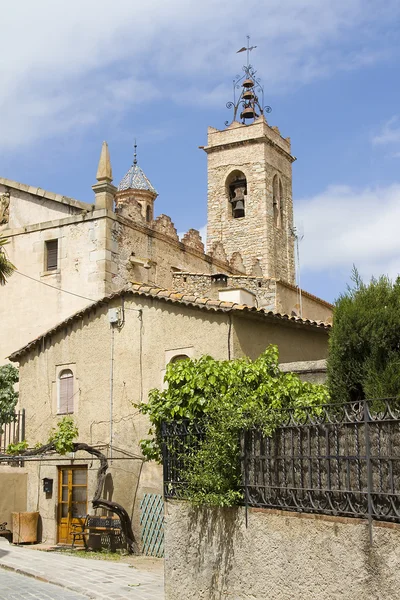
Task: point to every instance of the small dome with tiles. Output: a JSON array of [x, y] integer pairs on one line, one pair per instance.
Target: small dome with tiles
[[135, 179]]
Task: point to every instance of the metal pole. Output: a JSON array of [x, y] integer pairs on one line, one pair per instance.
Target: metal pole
[[369, 468]]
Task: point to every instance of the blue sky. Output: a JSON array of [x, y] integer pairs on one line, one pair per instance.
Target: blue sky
[[76, 73]]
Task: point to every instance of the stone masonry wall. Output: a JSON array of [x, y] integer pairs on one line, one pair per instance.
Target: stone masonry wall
[[211, 554], [152, 254], [200, 284]]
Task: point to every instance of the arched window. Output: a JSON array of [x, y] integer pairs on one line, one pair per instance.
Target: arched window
[[281, 211], [277, 200], [66, 392], [178, 358], [148, 214], [236, 185]]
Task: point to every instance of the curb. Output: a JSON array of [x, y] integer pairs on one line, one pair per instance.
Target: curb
[[45, 580]]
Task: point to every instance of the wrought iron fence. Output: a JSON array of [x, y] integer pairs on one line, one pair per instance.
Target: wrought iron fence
[[14, 432], [179, 438], [337, 460]]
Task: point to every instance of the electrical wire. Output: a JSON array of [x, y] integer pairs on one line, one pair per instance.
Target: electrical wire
[[54, 287]]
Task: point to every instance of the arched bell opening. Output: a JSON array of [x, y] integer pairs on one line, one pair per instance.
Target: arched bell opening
[[236, 185]]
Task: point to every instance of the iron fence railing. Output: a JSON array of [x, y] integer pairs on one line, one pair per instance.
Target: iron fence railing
[[337, 460], [179, 438], [13, 432]]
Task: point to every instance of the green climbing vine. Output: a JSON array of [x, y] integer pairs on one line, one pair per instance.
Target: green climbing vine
[[225, 397], [64, 435]]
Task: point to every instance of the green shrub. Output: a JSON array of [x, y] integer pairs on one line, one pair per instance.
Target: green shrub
[[364, 345], [225, 397]]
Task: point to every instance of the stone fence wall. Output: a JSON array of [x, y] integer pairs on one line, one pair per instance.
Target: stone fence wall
[[211, 554]]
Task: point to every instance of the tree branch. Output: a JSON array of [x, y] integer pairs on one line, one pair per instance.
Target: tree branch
[[97, 501]]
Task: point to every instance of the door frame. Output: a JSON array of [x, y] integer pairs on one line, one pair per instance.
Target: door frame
[[62, 521]]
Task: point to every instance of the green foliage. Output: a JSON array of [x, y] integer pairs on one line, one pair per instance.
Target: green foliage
[[226, 397], [63, 435], [364, 346], [8, 396], [17, 448], [6, 267]]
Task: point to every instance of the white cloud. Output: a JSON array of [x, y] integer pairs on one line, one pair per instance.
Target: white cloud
[[345, 226], [389, 134], [69, 64]]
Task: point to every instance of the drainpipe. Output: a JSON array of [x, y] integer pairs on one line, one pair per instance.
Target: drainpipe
[[111, 390]]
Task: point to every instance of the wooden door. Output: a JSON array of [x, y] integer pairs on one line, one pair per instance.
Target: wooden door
[[72, 500]]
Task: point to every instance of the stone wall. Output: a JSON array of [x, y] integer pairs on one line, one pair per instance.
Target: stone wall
[[211, 554], [201, 284], [151, 254]]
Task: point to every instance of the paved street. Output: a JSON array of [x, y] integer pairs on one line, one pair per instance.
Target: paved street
[[17, 587], [74, 577]]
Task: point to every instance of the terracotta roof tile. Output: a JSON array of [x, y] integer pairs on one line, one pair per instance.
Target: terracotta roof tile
[[140, 289]]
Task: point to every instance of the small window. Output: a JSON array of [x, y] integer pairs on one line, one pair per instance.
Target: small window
[[51, 255], [178, 358], [66, 392], [277, 201], [148, 214]]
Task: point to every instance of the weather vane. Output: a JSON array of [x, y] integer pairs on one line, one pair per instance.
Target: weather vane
[[248, 101]]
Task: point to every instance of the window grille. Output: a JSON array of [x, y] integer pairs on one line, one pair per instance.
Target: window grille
[[51, 255], [66, 392]]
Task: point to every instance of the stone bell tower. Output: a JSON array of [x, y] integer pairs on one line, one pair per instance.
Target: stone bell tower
[[250, 209]]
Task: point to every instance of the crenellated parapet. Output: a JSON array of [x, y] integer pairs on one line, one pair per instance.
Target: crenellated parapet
[[256, 270], [218, 251], [163, 224], [236, 262], [192, 239]]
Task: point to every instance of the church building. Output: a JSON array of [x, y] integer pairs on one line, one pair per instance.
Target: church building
[[106, 295], [69, 253]]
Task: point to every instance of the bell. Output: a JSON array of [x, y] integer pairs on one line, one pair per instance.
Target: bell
[[248, 83], [247, 113], [238, 209], [248, 94]]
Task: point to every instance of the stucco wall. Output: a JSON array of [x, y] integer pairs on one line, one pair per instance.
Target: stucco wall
[[141, 349], [13, 492], [314, 371], [288, 302], [31, 306], [29, 205], [295, 342], [210, 554]]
